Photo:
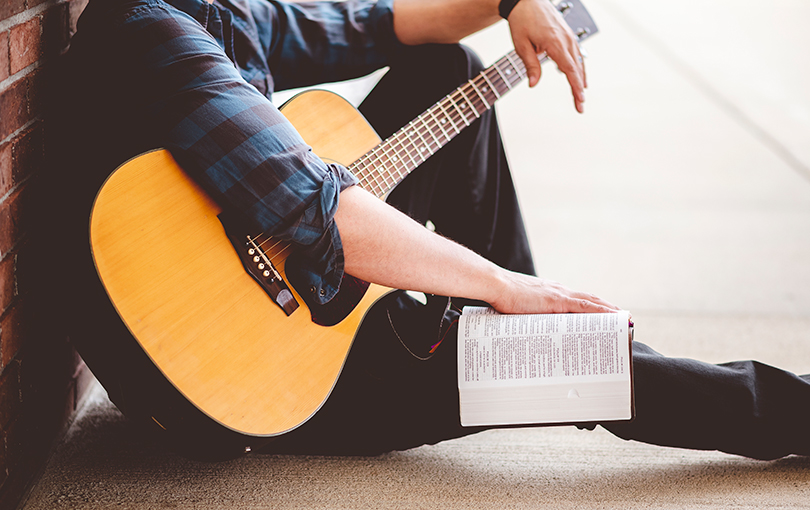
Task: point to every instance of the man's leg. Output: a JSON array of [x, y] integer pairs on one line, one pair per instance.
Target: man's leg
[[388, 400], [465, 189], [743, 407]]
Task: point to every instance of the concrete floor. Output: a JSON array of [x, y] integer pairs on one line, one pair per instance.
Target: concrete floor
[[683, 194]]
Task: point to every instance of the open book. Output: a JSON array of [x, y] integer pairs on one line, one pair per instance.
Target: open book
[[544, 369]]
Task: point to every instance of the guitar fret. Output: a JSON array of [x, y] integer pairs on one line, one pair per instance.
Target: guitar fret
[[375, 179], [520, 72], [386, 179], [408, 153], [489, 92], [460, 113], [447, 115], [472, 101], [472, 106], [503, 78], [425, 144], [487, 106], [390, 181], [372, 182], [438, 123], [430, 131], [394, 158], [491, 86], [413, 147]]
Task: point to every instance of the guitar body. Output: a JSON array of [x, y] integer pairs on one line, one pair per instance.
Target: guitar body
[[180, 288]]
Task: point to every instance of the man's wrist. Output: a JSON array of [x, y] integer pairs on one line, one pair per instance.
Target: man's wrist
[[505, 7]]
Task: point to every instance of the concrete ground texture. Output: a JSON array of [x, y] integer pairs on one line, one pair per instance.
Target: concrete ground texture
[[682, 194]]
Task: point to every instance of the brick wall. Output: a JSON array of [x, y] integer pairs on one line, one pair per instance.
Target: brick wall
[[41, 377]]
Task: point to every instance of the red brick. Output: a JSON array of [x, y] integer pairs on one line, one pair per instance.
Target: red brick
[[9, 8], [75, 9], [8, 283], [27, 268], [13, 328], [14, 108], [55, 30], [25, 44], [28, 153], [5, 168], [12, 219], [4, 64], [37, 87]]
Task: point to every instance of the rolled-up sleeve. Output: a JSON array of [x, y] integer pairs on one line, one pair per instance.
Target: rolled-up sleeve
[[234, 142]]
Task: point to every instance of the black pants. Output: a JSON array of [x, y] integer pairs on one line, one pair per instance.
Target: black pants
[[394, 394]]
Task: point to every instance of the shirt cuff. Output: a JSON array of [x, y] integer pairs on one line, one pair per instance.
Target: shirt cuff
[[317, 270]]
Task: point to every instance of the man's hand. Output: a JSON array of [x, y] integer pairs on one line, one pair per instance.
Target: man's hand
[[538, 27], [529, 294]]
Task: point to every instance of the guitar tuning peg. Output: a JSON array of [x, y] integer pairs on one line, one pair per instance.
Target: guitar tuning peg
[[564, 6]]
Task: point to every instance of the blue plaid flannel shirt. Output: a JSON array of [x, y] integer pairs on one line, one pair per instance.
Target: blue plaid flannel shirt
[[208, 73]]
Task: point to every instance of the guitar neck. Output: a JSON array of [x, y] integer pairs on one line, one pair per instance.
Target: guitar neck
[[386, 165]]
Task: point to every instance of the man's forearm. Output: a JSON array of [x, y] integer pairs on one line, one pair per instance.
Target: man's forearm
[[384, 246]]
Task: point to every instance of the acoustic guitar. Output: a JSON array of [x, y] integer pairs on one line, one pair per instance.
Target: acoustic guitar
[[212, 307]]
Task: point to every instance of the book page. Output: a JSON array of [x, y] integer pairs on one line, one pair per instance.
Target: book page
[[555, 368], [530, 347]]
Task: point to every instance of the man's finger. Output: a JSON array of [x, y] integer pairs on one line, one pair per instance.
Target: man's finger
[[574, 70], [525, 51], [594, 299], [586, 306]]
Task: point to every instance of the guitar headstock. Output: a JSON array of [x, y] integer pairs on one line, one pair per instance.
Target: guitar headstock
[[578, 18]]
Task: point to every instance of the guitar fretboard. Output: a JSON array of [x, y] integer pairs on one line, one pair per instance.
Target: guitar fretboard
[[386, 165]]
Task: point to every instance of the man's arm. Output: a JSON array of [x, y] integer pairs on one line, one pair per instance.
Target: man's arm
[[394, 250], [536, 27]]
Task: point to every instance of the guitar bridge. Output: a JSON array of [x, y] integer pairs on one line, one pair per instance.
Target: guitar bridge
[[259, 265]]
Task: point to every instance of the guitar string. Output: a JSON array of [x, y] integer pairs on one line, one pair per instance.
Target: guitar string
[[486, 93], [398, 147]]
